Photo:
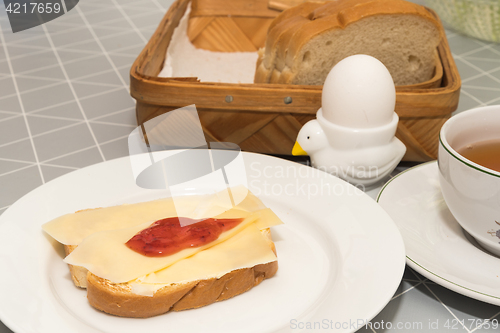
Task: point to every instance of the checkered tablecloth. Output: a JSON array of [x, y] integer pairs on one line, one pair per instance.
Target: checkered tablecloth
[[65, 104]]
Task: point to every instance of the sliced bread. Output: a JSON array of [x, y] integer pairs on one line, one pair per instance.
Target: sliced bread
[[306, 41], [119, 298]]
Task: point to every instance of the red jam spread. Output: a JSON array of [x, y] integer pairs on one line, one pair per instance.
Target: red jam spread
[[167, 236]]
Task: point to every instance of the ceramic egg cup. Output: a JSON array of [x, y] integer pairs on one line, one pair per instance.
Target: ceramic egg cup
[[353, 135]]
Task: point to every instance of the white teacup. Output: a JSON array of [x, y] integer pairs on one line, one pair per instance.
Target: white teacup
[[471, 191]]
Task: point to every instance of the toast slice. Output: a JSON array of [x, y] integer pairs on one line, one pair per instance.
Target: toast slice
[[123, 283], [78, 273], [119, 298]]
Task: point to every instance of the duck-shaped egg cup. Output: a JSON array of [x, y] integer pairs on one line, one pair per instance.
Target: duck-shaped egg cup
[[353, 135]]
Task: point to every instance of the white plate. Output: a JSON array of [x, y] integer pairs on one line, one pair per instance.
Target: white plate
[[436, 246], [341, 257]]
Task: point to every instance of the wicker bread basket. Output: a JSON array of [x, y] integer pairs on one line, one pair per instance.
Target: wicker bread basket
[[266, 118]]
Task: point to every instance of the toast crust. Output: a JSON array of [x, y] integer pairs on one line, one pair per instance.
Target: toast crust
[[78, 273], [119, 300]]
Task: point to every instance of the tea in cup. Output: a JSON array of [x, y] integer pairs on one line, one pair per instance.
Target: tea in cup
[[469, 172]]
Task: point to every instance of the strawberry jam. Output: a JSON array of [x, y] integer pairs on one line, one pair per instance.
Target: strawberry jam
[[167, 236]]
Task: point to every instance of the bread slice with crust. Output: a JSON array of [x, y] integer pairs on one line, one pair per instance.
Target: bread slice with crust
[[306, 41], [120, 300], [238, 260], [78, 273]]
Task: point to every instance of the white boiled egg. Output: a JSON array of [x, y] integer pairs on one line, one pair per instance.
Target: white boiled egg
[[359, 93]]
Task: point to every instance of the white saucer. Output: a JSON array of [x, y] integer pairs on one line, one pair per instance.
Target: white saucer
[[436, 246]]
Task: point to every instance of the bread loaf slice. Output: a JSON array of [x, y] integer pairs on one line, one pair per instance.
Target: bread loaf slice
[[120, 300], [78, 273], [306, 41], [238, 260]]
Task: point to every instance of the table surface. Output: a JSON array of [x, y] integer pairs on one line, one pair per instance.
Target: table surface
[[65, 104]]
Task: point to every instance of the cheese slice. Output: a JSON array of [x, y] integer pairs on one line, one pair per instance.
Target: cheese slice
[[105, 254], [245, 249], [71, 229]]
